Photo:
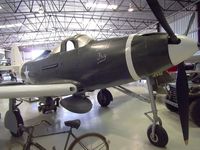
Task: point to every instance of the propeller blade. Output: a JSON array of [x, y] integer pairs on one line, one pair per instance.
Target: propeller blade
[[183, 101], [156, 8], [183, 92], [190, 24]]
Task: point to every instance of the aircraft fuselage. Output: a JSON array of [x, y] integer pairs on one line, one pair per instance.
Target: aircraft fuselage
[[101, 64]]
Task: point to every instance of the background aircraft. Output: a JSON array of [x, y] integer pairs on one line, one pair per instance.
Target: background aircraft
[[92, 65]]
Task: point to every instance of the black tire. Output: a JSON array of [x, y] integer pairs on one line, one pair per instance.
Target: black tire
[[43, 110], [171, 108], [79, 142], [194, 112], [161, 137], [19, 122], [39, 108], [55, 109], [104, 97]]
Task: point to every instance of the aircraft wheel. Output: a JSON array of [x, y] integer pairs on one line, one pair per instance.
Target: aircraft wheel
[[39, 108], [44, 111], [104, 97], [195, 112], [160, 139], [55, 109], [19, 122], [171, 108]]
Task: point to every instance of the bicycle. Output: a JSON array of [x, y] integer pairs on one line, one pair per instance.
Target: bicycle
[[88, 141], [29, 142]]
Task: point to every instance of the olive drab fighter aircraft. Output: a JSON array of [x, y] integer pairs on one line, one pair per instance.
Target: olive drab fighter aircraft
[[93, 64]]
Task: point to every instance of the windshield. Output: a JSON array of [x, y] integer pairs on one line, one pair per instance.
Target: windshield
[[45, 54]]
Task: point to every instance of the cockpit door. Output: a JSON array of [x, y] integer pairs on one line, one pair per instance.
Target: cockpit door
[[69, 62], [68, 45]]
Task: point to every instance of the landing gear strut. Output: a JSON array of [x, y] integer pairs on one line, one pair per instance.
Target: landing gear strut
[[49, 104], [156, 133], [104, 97], [13, 118]]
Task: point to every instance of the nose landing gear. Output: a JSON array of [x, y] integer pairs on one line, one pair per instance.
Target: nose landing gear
[[155, 133], [160, 137]]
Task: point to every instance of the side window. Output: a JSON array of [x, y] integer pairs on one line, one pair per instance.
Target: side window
[[70, 46]]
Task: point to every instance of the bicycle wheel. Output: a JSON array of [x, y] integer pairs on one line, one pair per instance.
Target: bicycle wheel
[[90, 141]]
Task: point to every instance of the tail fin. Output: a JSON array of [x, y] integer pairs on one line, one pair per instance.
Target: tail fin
[[16, 58], [16, 61]]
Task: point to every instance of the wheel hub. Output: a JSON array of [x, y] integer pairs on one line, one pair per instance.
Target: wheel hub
[[154, 138]]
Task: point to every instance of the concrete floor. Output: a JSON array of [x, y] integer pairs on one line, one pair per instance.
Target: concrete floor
[[123, 123]]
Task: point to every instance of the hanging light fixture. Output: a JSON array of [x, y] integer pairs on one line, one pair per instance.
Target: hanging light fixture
[[41, 9], [10, 25], [101, 6], [130, 9]]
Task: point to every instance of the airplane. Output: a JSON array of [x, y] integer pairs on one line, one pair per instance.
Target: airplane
[[93, 64]]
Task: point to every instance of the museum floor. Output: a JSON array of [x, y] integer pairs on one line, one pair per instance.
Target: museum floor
[[123, 123]]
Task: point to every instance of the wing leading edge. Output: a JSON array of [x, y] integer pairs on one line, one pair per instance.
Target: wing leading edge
[[19, 91]]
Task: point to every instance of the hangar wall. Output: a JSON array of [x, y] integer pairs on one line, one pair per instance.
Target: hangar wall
[[179, 23]]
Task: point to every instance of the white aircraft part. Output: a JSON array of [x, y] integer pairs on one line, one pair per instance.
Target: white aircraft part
[[16, 58], [20, 91], [56, 50], [129, 60], [182, 51], [2, 55], [6, 68]]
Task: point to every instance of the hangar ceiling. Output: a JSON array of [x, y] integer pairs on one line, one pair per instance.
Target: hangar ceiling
[[47, 22]]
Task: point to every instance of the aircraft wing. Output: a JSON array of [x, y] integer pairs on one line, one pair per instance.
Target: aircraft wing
[[20, 91], [5, 68]]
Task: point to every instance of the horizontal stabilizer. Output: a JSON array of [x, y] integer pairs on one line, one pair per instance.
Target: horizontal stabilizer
[[20, 91]]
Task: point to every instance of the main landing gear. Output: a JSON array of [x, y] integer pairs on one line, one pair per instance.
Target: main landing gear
[[13, 118], [49, 104], [156, 133], [104, 97]]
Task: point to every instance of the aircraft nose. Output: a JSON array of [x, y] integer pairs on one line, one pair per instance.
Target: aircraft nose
[[182, 51]]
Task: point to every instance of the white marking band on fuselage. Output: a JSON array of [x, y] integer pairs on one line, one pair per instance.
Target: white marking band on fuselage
[[129, 60]]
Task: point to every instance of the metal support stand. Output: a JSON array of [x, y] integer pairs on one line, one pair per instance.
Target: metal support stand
[[155, 119]]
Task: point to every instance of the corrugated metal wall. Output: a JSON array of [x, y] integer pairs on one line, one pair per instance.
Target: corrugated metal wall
[[179, 23]]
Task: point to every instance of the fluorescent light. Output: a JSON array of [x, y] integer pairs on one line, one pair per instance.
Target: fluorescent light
[[35, 43], [0, 7], [130, 9], [10, 25], [41, 10], [112, 6], [101, 6]]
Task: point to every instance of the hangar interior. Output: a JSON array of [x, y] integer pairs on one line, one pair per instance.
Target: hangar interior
[[39, 26]]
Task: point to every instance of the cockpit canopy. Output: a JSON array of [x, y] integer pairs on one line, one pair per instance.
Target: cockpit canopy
[[75, 42]]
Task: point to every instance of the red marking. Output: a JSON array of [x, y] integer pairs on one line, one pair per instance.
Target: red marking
[[172, 69]]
